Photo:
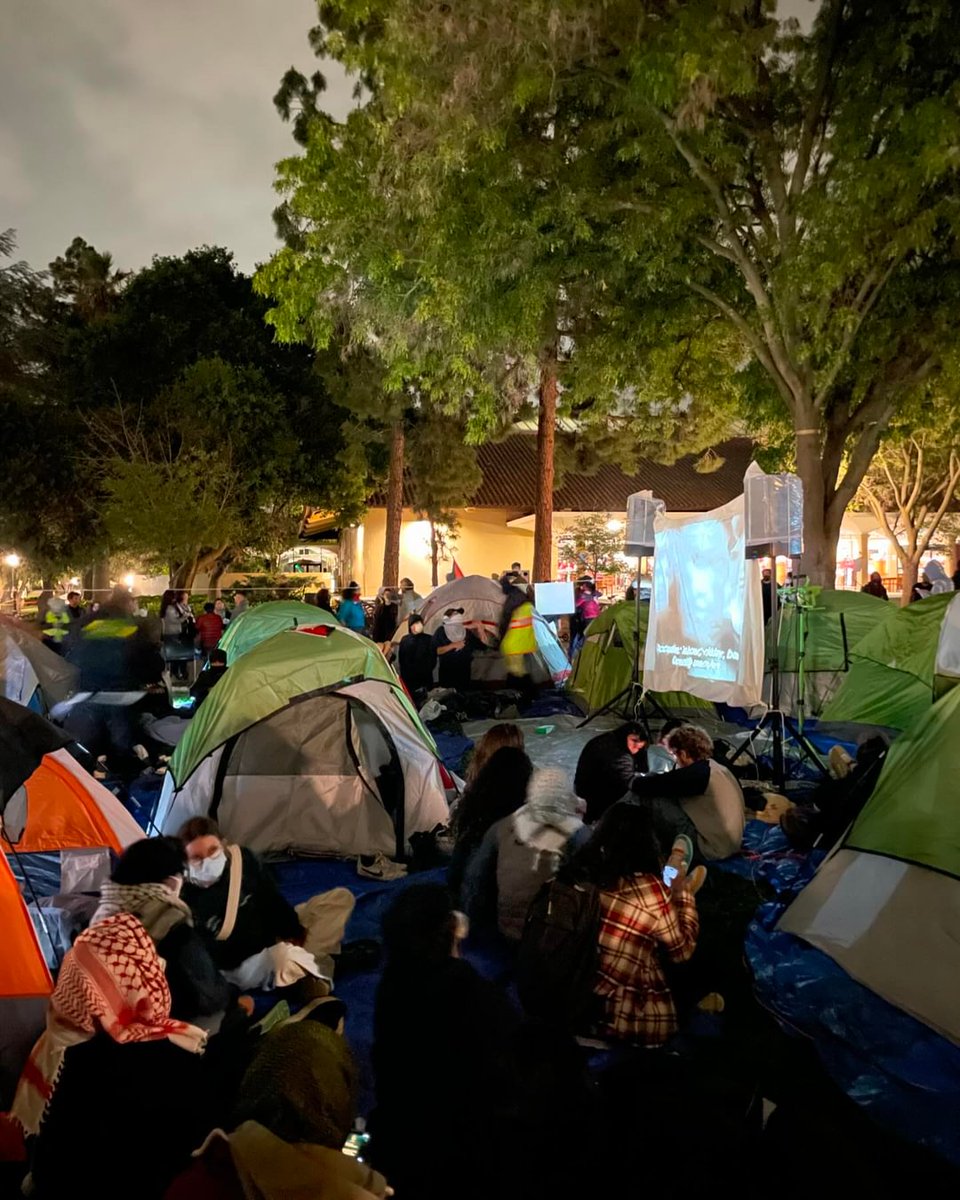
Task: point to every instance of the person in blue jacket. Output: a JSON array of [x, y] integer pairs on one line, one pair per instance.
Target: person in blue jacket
[[350, 613]]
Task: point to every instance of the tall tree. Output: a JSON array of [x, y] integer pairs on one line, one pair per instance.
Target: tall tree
[[800, 187], [465, 251], [87, 278]]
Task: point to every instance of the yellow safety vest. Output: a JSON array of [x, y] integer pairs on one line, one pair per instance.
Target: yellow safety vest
[[56, 626], [520, 637]]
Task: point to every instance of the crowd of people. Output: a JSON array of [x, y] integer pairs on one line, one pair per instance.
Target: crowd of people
[[153, 1026]]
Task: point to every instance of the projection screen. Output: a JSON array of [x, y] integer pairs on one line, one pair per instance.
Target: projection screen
[[705, 633]]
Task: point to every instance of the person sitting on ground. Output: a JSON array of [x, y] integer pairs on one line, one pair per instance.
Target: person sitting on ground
[[875, 586], [111, 1065], [416, 658], [350, 611], [385, 618], [410, 599], [701, 798], [209, 677], [146, 882], [522, 852], [209, 628], [258, 936], [455, 646], [607, 766], [496, 791], [504, 733], [442, 1060], [640, 919], [296, 1109]]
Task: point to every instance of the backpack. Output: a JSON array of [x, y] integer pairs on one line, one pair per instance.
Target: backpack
[[559, 955]]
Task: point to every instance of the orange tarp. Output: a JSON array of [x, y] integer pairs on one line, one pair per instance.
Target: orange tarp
[[22, 969]]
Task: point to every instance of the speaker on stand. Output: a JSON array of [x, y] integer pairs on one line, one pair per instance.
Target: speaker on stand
[[642, 511], [773, 517]]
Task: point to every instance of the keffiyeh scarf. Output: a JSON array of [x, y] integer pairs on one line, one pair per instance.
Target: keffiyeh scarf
[[112, 980], [156, 907]]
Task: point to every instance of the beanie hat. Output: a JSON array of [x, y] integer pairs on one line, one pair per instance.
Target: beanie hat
[[151, 860], [550, 797]]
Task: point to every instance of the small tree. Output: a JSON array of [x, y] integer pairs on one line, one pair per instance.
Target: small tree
[[594, 542], [913, 482]]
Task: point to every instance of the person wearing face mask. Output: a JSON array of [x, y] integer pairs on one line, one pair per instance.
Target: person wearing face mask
[[259, 940], [146, 883], [455, 647], [416, 658]]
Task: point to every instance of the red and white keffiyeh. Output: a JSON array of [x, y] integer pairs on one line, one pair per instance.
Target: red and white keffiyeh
[[112, 980]]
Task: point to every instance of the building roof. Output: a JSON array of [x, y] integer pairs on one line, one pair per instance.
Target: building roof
[[510, 477]]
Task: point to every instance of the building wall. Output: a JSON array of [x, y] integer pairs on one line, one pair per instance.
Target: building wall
[[484, 545]]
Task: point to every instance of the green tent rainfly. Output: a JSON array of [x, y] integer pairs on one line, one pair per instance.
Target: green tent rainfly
[[262, 621]]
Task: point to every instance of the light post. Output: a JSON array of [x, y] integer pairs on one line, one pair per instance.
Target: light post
[[13, 561]]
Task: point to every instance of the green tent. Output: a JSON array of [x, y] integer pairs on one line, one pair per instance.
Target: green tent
[[604, 664], [308, 744], [826, 636], [886, 904], [899, 668], [262, 621]]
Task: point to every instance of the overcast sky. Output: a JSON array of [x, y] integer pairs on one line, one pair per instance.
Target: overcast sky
[[147, 126]]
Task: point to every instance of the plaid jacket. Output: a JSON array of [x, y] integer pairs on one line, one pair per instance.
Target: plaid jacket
[[637, 919]]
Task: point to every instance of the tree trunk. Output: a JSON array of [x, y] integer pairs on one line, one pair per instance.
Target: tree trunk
[[391, 543], [546, 440], [96, 584], [821, 523], [183, 574], [910, 572], [434, 556]]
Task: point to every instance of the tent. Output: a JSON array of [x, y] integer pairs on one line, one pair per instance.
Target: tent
[[308, 744], [52, 813], [257, 624], [822, 639], [902, 665], [886, 904], [604, 664], [30, 672], [482, 602]]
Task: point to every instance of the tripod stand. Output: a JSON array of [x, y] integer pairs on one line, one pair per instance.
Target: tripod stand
[[632, 701], [780, 725]]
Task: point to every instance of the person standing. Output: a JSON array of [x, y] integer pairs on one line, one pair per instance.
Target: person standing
[[177, 627], [416, 658], [518, 639], [209, 628], [455, 647], [323, 601], [240, 605], [410, 600], [350, 611], [74, 606], [385, 618]]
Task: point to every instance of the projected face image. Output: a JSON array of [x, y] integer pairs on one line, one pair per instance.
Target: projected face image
[[699, 590]]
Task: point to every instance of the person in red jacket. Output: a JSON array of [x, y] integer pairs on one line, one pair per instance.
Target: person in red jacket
[[209, 628]]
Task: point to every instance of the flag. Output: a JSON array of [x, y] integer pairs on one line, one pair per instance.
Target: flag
[[457, 573]]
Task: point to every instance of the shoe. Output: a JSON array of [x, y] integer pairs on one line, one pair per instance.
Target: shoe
[[840, 762], [326, 1010], [695, 880], [378, 866], [681, 852]]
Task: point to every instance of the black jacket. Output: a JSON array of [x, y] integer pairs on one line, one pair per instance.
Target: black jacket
[[605, 772], [264, 917], [197, 989], [416, 658]]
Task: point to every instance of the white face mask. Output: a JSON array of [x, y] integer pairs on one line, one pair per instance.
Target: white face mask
[[206, 872]]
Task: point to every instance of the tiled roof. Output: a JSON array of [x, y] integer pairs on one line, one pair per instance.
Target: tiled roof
[[510, 472]]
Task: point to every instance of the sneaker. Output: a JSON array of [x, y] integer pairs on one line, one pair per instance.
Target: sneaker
[[311, 987], [378, 866], [681, 852], [840, 762], [695, 880]]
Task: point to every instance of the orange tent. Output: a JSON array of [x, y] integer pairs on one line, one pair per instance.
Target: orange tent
[[59, 808]]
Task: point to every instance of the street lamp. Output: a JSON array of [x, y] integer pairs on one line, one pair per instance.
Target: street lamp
[[12, 561]]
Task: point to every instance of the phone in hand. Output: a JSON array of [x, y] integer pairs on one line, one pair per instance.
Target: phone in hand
[[355, 1145], [670, 874]]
